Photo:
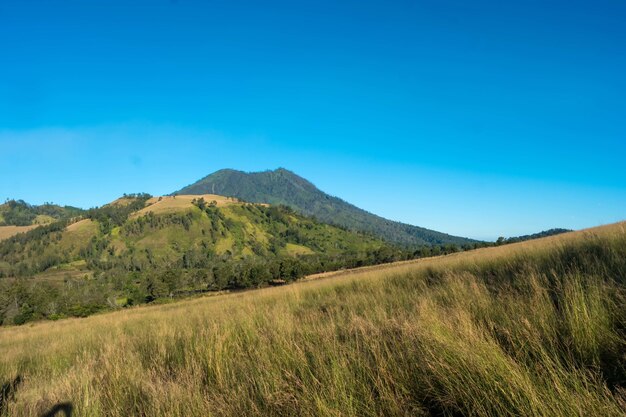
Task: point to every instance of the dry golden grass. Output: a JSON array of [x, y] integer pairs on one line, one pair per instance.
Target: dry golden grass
[[8, 231], [80, 225], [483, 254], [528, 329], [121, 202], [173, 204]]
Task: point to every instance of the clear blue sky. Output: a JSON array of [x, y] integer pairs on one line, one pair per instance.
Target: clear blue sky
[[471, 117]]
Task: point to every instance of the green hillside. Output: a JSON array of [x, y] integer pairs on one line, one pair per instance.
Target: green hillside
[[141, 249], [20, 213], [284, 187]]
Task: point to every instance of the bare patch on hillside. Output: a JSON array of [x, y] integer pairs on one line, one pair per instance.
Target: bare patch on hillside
[[9, 231]]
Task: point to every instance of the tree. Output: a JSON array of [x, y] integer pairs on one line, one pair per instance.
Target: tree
[[200, 203], [155, 288]]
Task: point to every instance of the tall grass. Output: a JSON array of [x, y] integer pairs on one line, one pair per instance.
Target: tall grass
[[536, 329]]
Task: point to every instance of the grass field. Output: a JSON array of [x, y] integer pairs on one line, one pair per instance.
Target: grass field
[[530, 329], [8, 231]]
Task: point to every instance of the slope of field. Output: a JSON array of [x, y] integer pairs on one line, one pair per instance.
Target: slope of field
[[17, 216], [8, 231], [284, 187], [529, 329]]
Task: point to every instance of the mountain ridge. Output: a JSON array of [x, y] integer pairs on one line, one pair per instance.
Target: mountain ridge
[[282, 186]]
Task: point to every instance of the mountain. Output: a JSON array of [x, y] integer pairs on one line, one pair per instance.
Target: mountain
[[140, 248], [282, 186]]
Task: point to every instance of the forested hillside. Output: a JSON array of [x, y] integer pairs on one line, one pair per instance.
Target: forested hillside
[[141, 249], [20, 213]]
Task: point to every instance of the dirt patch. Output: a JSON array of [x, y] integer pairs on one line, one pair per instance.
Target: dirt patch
[[8, 231]]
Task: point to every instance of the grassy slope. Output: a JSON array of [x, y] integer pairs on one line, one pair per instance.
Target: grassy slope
[[168, 204], [8, 231], [171, 248], [535, 328], [244, 230], [19, 217], [284, 187]]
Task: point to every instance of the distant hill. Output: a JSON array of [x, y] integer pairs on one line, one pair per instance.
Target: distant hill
[[20, 213], [17, 216], [141, 248], [141, 232], [284, 187]]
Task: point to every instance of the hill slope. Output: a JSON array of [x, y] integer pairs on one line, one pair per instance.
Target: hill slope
[[20, 213], [139, 249], [528, 329], [284, 187], [17, 216]]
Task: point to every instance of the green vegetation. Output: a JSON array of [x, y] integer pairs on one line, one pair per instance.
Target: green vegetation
[[115, 214], [535, 329], [284, 187], [115, 258], [119, 255], [123, 254], [20, 213]]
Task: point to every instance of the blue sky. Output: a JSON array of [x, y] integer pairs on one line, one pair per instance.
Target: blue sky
[[476, 118]]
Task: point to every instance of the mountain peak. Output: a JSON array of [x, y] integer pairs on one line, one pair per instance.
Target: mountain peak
[[285, 171], [282, 186]]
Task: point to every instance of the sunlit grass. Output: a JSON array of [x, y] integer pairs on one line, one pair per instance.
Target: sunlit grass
[[533, 329]]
